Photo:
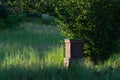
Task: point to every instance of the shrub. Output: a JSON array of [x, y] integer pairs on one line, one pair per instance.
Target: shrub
[[103, 20], [9, 19], [95, 21], [12, 21]]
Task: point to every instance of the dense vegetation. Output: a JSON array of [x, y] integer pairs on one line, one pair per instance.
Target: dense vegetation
[[9, 19], [99, 28], [94, 21], [104, 34], [35, 51]]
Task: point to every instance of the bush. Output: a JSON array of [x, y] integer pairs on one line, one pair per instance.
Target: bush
[[12, 21], [103, 19], [95, 21], [48, 20]]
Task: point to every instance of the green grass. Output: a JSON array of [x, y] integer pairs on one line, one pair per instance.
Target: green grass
[[37, 53]]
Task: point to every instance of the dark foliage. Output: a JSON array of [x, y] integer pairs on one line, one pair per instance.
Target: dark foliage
[[95, 21], [104, 22], [3, 11]]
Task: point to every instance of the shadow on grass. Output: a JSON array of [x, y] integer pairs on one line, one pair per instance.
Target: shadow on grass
[[55, 73], [47, 73], [41, 44]]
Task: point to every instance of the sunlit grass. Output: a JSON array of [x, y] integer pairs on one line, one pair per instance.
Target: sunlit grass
[[37, 53], [30, 46]]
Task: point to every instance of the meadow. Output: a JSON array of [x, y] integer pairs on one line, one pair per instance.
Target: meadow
[[37, 52]]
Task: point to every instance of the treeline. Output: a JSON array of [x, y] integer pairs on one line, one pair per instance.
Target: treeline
[[9, 19], [13, 12]]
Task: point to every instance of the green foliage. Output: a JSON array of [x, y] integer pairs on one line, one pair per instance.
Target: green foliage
[[12, 21], [103, 20], [95, 21], [71, 13], [8, 18], [29, 7], [48, 20]]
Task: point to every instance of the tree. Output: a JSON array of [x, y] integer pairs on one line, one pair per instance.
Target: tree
[[95, 21], [103, 17], [9, 19]]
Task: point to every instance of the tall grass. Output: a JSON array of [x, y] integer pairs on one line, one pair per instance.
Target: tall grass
[[36, 53], [35, 47]]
